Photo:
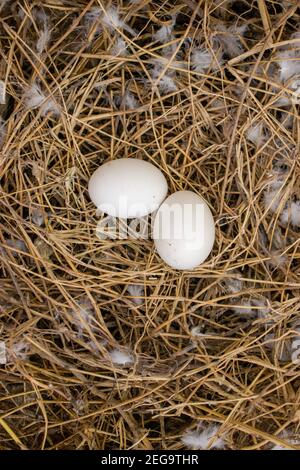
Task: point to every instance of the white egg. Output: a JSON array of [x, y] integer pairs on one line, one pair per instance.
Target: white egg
[[127, 188], [184, 230]]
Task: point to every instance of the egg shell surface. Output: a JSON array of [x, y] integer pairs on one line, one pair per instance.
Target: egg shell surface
[[127, 188], [184, 230]]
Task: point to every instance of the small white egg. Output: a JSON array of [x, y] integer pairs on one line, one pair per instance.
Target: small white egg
[[184, 230], [128, 188]]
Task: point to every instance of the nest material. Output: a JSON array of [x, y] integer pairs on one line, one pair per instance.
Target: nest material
[[103, 346]]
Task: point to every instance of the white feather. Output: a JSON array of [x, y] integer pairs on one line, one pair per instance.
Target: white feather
[[83, 316], [291, 214], [243, 307], [79, 406], [283, 353], [166, 83], [130, 101], [197, 331], [40, 16], [239, 30], [287, 120], [254, 306], [164, 34], [3, 356], [202, 60], [234, 285], [295, 344], [120, 357], [218, 103], [50, 107], [278, 447], [261, 307], [228, 38], [295, 87], [284, 99], [119, 47], [289, 63], [273, 194], [2, 92], [112, 21], [136, 291], [21, 349], [202, 439], [271, 200], [277, 259], [289, 440], [43, 40], [256, 134], [35, 98]]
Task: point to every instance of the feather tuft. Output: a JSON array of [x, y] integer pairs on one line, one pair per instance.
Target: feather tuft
[[207, 438]]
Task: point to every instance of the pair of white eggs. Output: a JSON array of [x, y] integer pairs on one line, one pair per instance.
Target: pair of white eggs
[[183, 228]]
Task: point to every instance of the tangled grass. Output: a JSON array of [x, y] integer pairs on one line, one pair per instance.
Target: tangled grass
[[102, 345]]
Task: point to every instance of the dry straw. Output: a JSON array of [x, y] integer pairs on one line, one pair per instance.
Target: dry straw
[[102, 345]]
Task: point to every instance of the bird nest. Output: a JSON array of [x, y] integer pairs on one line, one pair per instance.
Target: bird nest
[[102, 345]]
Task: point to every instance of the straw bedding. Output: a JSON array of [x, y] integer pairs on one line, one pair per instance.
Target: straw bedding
[[102, 345]]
